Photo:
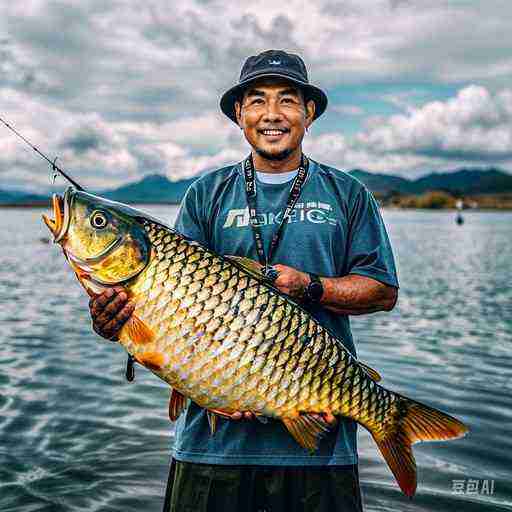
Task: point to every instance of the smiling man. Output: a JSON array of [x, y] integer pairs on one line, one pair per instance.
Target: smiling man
[[319, 234]]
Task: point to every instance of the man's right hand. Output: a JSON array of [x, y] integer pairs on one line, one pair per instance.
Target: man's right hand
[[109, 312]]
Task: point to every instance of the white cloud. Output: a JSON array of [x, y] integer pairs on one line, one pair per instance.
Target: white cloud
[[348, 110], [121, 89], [474, 125]]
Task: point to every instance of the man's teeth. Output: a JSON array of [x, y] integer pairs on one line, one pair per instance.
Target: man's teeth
[[273, 132]]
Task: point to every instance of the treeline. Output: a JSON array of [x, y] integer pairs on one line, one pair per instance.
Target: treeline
[[439, 199]]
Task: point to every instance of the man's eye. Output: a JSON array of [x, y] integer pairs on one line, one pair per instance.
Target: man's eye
[[258, 101]]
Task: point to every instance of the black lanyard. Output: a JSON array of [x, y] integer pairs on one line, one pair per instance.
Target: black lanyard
[[250, 190]]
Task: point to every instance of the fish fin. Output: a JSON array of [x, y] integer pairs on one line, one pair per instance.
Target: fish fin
[[138, 330], [176, 405], [306, 430], [373, 374], [152, 360], [413, 422], [224, 414], [252, 267], [212, 421]]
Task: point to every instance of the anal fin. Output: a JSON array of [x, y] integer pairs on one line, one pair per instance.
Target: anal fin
[[306, 430], [177, 403]]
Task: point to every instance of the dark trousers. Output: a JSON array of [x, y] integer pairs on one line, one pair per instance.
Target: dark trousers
[[215, 488]]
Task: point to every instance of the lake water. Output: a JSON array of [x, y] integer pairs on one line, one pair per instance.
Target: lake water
[[75, 436]]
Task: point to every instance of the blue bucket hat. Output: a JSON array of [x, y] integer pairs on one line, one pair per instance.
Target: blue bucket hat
[[273, 63]]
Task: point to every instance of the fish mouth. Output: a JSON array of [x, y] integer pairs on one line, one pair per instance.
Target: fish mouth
[[59, 224]]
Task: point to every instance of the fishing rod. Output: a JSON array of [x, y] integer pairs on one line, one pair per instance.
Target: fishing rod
[[55, 167]]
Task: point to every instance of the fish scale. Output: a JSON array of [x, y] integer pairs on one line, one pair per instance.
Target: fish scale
[[219, 333], [242, 294]]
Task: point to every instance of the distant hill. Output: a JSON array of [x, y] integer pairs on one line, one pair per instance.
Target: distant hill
[[156, 188], [382, 183], [459, 182], [465, 182]]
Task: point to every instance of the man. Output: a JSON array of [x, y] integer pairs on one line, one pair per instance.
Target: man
[[331, 228]]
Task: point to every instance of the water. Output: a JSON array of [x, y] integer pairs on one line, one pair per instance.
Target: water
[[74, 435]]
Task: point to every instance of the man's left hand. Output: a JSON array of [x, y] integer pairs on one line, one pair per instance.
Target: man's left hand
[[291, 281]]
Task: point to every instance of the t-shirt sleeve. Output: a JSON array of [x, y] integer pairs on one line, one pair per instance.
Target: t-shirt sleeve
[[369, 249], [190, 221]]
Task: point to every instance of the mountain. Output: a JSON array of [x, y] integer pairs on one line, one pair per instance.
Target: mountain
[[158, 189], [154, 188], [20, 197], [459, 182], [382, 183], [465, 181]]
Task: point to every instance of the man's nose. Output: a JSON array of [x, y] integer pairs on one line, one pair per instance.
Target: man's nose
[[272, 112]]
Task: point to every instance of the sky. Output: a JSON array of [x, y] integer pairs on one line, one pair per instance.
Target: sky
[[121, 89]]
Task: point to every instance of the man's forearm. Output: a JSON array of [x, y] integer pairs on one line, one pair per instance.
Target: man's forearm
[[357, 295]]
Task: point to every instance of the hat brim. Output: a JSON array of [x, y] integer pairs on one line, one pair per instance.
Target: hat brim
[[227, 102]]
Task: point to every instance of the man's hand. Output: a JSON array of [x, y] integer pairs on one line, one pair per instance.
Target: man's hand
[[109, 312], [291, 281]]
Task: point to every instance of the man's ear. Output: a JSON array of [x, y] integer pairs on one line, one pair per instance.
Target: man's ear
[[310, 112], [238, 113]]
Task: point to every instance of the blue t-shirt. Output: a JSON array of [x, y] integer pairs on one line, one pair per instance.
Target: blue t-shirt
[[335, 229]]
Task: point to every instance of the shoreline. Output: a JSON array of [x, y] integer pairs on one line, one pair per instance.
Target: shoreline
[[48, 206]]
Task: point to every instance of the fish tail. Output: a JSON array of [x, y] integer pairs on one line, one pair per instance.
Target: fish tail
[[409, 422]]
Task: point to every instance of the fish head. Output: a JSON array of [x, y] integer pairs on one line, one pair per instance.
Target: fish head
[[104, 242]]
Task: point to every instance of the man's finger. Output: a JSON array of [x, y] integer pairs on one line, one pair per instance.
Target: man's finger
[[330, 418], [122, 316], [112, 328], [236, 415], [111, 310], [98, 304], [248, 415]]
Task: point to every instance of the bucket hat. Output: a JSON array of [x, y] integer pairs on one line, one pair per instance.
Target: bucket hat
[[273, 63]]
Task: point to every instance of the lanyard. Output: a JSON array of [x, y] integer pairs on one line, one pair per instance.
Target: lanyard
[[250, 191]]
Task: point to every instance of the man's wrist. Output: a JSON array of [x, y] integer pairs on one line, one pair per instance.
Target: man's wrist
[[314, 290]]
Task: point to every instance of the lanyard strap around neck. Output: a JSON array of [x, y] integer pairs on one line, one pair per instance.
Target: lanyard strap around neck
[[250, 190]]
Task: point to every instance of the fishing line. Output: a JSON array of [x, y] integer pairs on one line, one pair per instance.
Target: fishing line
[[55, 168]]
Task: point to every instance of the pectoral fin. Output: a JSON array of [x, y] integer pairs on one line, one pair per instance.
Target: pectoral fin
[[137, 330], [306, 430], [177, 403]]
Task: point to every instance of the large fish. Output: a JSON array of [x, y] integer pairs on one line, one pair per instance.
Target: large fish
[[219, 333]]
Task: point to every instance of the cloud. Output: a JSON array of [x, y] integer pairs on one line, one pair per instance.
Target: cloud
[[122, 89], [350, 110], [474, 126]]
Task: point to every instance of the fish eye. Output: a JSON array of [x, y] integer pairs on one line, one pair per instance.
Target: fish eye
[[98, 220]]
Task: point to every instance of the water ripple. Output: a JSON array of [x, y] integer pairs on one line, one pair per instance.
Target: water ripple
[[75, 436]]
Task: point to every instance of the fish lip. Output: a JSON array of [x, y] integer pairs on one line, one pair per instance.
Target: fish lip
[[66, 200], [59, 226]]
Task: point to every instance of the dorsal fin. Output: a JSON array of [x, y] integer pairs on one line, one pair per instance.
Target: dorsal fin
[[252, 267]]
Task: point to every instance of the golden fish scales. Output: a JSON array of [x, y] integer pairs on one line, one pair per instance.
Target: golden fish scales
[[232, 343], [221, 335]]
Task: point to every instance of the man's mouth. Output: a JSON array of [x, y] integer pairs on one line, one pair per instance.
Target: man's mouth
[[273, 132]]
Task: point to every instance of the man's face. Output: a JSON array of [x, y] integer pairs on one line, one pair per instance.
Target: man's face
[[274, 117]]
